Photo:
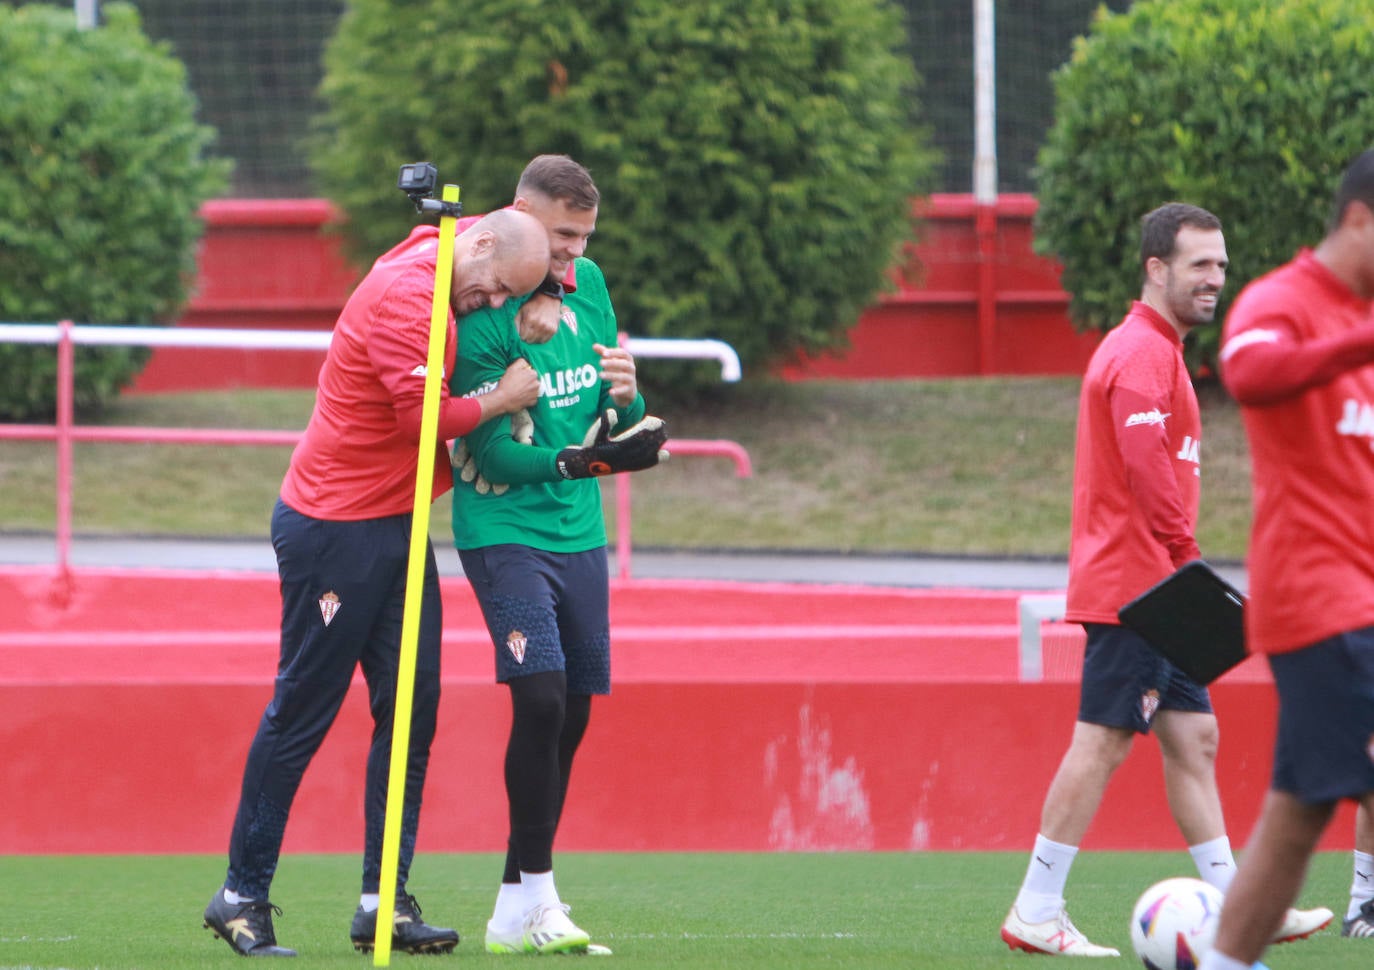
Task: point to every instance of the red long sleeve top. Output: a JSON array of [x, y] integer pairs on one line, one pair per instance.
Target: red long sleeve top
[[1136, 473], [359, 455], [1295, 353]]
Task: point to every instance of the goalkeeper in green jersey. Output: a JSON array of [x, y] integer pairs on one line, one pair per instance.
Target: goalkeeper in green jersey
[[528, 525]]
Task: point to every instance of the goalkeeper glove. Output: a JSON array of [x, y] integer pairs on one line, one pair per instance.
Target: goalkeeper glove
[[521, 430], [638, 447]]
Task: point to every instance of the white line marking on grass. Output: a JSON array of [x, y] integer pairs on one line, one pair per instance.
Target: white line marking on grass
[[728, 936]]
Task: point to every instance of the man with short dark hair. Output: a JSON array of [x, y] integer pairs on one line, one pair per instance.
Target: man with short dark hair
[[1296, 354], [1135, 504]]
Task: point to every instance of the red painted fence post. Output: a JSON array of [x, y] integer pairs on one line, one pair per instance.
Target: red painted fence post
[[985, 226], [66, 395]]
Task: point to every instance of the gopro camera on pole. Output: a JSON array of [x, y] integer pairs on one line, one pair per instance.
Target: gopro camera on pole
[[417, 180]]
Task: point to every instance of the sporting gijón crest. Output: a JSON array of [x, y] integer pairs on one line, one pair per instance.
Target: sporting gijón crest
[[516, 643], [329, 605], [1149, 704]]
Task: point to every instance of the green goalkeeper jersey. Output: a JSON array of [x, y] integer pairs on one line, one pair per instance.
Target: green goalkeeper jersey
[[540, 509]]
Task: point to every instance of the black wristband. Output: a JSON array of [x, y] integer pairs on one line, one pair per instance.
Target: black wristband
[[553, 288]]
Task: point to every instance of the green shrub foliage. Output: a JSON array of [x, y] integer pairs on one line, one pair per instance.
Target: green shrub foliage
[[756, 158], [1251, 110], [101, 177]]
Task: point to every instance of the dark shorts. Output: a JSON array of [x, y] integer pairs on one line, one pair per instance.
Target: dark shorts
[[545, 611], [1125, 683], [1325, 746]]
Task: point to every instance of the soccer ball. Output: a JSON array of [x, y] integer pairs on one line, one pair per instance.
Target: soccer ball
[[1175, 923]]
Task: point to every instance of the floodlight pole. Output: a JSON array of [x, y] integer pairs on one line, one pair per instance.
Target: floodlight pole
[[985, 177], [415, 578], [87, 13]]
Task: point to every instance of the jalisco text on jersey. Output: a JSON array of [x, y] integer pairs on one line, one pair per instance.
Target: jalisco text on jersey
[[560, 383], [568, 381]]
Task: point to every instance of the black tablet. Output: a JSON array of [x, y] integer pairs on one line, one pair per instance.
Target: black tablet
[[1195, 618]]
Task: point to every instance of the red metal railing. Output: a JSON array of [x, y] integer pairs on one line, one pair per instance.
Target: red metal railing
[[65, 432]]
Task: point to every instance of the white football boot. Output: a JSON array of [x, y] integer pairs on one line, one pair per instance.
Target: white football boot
[[1299, 924], [1057, 936], [548, 929]]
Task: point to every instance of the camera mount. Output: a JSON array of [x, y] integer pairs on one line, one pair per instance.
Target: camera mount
[[417, 181]]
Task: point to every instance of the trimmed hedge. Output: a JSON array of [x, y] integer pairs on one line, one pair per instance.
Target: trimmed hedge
[[756, 158], [101, 178], [1251, 110]]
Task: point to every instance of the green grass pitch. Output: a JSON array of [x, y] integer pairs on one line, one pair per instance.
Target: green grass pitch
[[709, 910]]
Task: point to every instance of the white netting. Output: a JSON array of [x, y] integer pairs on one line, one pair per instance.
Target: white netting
[[255, 66], [1061, 650], [1049, 648], [1033, 39]]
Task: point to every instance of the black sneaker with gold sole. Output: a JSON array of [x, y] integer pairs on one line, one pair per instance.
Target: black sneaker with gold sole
[[246, 927], [409, 933]]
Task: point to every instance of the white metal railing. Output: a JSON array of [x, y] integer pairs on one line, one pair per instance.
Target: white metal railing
[[699, 349], [99, 335], [91, 334], [64, 431]]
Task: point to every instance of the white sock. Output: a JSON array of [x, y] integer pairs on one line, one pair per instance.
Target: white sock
[[1042, 892], [370, 902], [1216, 960], [539, 889], [1361, 884], [1214, 861], [233, 898], [510, 908]]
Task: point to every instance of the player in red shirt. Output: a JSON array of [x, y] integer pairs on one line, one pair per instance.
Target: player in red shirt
[[1296, 353], [341, 531], [1135, 504]]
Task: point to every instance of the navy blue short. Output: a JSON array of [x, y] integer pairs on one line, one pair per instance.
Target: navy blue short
[[545, 611], [1325, 746], [1125, 683]]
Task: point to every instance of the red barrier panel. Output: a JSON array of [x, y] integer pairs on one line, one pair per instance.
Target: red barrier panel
[[263, 264], [745, 717], [929, 327], [275, 264]]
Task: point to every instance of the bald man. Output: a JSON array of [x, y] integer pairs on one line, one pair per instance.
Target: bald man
[[341, 531]]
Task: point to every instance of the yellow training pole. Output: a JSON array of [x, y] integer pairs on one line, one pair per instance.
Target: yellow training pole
[[415, 583]]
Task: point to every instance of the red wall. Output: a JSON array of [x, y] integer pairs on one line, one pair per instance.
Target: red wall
[[745, 717], [263, 264], [930, 326], [274, 264]]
